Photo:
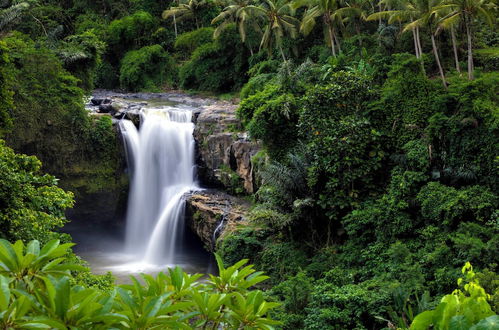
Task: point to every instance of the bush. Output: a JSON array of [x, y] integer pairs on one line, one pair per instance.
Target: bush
[[186, 43], [219, 66], [447, 206], [350, 306], [81, 54], [5, 92], [129, 32], [281, 260], [33, 206], [274, 122], [408, 100], [255, 85], [40, 83], [241, 244], [148, 68]]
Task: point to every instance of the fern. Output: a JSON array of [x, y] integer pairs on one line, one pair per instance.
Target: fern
[[11, 14]]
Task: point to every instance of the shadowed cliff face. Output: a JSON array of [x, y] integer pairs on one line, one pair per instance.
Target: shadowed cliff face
[[224, 151]]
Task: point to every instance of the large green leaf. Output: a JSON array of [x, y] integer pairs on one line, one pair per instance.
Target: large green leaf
[[490, 323], [423, 321], [459, 322]]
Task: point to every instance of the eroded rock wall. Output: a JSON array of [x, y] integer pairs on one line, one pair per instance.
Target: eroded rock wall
[[224, 151]]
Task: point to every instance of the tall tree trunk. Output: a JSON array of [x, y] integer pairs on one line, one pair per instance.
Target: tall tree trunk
[[437, 59], [416, 48], [357, 30], [282, 53], [337, 42], [175, 25], [419, 42], [420, 49], [454, 47], [470, 48], [331, 39]]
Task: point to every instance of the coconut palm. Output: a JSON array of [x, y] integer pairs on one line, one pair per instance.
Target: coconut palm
[[418, 14], [186, 10], [11, 12], [279, 22], [400, 11], [451, 26], [233, 12], [467, 11], [354, 10], [328, 11]]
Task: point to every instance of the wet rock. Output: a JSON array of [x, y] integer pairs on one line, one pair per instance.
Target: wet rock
[[105, 108], [99, 101], [212, 213]]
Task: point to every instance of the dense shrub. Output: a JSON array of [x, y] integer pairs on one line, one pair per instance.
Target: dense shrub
[[129, 32], [49, 118], [148, 68], [350, 306], [6, 103], [245, 243], [408, 100], [347, 150], [219, 66], [274, 122], [81, 54], [32, 205], [187, 42]]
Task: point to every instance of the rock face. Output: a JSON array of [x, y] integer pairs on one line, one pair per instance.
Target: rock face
[[210, 213], [224, 153]]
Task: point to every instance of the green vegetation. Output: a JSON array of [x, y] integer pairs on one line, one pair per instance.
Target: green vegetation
[[377, 180], [37, 290]]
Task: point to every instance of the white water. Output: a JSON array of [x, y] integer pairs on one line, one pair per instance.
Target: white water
[[161, 159]]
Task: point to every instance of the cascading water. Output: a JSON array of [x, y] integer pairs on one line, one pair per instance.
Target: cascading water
[[161, 155]]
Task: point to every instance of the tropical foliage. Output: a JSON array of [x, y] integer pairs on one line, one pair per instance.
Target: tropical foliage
[[37, 290], [376, 179]]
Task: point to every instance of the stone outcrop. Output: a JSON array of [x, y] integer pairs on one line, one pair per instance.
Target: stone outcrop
[[212, 213], [224, 152]]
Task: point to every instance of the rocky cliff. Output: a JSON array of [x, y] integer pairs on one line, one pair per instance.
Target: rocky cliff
[[212, 213], [224, 151]]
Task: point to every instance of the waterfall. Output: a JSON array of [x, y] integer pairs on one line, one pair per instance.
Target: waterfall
[[161, 158]]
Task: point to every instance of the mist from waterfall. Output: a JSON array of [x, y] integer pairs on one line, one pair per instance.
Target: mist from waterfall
[[161, 163]]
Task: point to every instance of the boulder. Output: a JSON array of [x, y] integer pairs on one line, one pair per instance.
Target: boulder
[[105, 108]]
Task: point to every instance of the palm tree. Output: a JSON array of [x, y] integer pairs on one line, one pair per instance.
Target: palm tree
[[186, 9], [234, 12], [10, 12], [419, 14], [467, 11], [328, 10], [403, 11], [355, 10], [449, 25], [279, 22]]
